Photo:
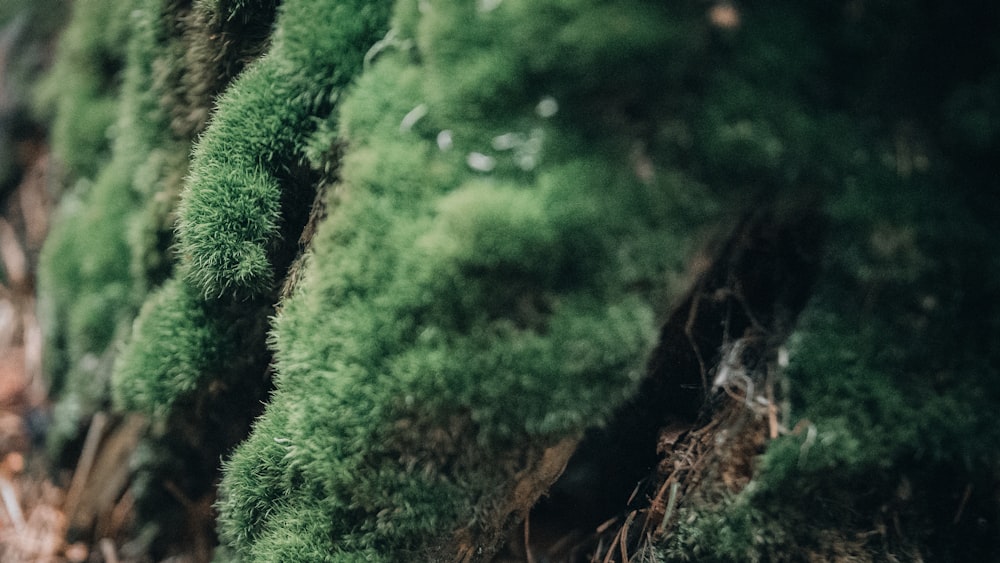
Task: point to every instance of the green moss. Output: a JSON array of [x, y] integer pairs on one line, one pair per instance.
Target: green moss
[[85, 271], [507, 306], [191, 351], [81, 90], [184, 351], [179, 345], [200, 49], [517, 189], [231, 225], [195, 362], [888, 376], [85, 282], [889, 373], [217, 39], [111, 245]]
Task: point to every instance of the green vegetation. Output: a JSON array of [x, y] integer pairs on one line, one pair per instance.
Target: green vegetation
[[183, 321], [890, 373], [496, 288], [892, 366], [233, 226], [516, 199], [81, 92], [85, 270], [111, 245], [183, 337]]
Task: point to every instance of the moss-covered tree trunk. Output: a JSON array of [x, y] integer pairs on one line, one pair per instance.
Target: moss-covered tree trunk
[[559, 280]]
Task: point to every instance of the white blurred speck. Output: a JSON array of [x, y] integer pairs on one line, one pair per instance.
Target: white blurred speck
[[485, 6], [783, 357], [547, 107], [481, 162], [506, 141], [527, 162], [444, 140], [724, 15]]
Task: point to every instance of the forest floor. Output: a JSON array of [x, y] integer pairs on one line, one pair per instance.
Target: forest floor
[[32, 516], [38, 503]]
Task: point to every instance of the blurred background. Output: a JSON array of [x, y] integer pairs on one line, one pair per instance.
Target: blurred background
[[32, 515]]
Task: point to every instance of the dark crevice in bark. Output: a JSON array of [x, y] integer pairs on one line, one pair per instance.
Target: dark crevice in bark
[[751, 294]]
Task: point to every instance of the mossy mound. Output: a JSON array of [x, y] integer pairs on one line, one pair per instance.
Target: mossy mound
[[484, 233], [125, 164], [111, 244], [232, 225], [85, 271], [481, 291]]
